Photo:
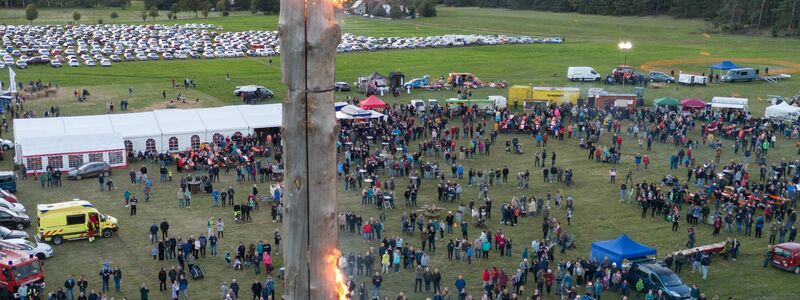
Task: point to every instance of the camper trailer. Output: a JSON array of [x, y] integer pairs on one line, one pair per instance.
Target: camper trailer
[[692, 79]]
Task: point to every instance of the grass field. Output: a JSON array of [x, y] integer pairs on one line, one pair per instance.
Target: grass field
[[590, 40]]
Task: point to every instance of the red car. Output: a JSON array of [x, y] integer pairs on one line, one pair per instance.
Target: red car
[[8, 196], [787, 256]]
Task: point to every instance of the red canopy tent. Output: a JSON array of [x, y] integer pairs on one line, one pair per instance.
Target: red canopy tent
[[693, 103], [372, 102]]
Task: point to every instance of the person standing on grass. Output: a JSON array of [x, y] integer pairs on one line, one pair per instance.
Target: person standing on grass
[[183, 285], [69, 285], [105, 275], [164, 229], [461, 285], [220, 228], [377, 280], [117, 279], [143, 292], [162, 280], [613, 174], [181, 203], [134, 202], [153, 233]]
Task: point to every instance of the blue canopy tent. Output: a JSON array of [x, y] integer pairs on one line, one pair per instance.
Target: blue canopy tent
[[619, 249], [725, 65]]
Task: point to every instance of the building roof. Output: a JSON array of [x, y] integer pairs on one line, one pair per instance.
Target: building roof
[[225, 118], [179, 121]]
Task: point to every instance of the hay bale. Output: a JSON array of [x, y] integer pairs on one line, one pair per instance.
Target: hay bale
[[27, 89], [41, 94], [51, 92], [32, 96]]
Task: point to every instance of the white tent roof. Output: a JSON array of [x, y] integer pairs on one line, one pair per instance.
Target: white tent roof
[[262, 116], [781, 110], [87, 125], [223, 118], [178, 121], [38, 127], [71, 144], [135, 125]]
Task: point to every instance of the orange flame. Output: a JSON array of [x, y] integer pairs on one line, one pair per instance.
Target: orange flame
[[341, 282], [338, 3]]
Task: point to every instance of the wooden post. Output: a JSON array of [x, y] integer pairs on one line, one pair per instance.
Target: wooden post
[[309, 36]]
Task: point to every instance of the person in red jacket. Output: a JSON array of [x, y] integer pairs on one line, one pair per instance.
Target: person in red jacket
[[485, 276], [548, 280]]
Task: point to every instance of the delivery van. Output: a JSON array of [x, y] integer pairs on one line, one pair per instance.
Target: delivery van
[[787, 256], [70, 221], [582, 74], [739, 74]]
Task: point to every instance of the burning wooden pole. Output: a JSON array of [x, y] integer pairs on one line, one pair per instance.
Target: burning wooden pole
[[309, 36]]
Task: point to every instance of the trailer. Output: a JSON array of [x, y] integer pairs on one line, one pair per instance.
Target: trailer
[[692, 79], [775, 78]]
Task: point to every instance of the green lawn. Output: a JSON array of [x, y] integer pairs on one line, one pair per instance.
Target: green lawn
[[591, 40]]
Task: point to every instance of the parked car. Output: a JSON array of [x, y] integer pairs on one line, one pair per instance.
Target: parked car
[[8, 184], [55, 63], [89, 169], [22, 64], [105, 63], [658, 278], [341, 86], [6, 144], [786, 256], [660, 77], [11, 219], [38, 249], [6, 234], [9, 197], [12, 206]]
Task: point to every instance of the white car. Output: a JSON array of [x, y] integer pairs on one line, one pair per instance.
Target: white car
[[22, 64], [141, 57], [168, 56], [115, 58], [7, 144], [38, 249], [105, 63], [73, 63], [15, 207], [2, 64], [55, 63], [90, 63], [152, 56]]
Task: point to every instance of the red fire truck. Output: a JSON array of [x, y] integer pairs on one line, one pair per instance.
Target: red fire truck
[[17, 269]]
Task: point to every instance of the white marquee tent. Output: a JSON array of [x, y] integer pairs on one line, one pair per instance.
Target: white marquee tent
[[143, 131], [222, 122], [70, 151], [180, 128], [782, 111]]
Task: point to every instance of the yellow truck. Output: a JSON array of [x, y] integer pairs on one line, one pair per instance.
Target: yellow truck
[[556, 95], [71, 220]]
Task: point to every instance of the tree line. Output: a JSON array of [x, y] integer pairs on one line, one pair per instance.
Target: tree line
[[780, 17]]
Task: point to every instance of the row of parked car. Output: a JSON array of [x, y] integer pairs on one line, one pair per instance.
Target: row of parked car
[[13, 220], [92, 45]]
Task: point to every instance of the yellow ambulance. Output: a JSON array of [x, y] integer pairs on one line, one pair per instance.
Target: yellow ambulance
[[70, 220]]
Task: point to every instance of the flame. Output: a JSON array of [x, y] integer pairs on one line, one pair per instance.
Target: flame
[[338, 3], [341, 281]]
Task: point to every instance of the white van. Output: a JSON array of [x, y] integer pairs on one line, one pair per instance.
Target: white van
[[582, 74]]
